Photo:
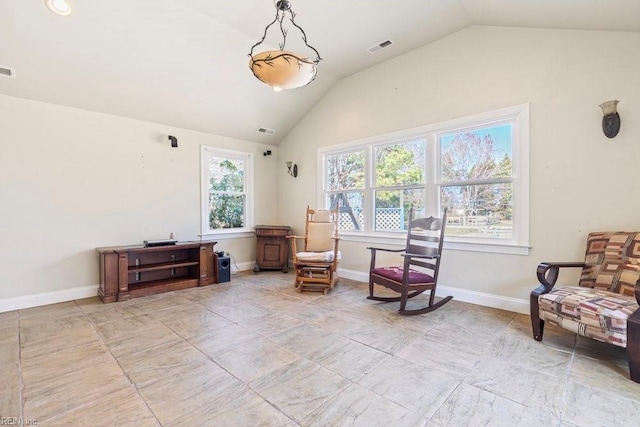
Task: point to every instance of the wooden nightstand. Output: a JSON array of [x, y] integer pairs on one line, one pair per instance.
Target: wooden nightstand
[[272, 248]]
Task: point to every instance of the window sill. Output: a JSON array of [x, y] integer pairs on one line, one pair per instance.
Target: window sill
[[400, 241], [227, 235]]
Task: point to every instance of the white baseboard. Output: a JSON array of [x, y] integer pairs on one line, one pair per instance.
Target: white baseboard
[[464, 295], [36, 300], [28, 301], [243, 266]]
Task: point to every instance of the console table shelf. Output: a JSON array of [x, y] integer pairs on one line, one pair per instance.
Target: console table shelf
[[135, 271], [160, 266]]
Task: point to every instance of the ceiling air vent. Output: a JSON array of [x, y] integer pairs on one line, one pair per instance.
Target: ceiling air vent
[[266, 131], [7, 72], [379, 46]]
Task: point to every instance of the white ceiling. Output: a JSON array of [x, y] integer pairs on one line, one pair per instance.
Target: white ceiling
[[184, 63]]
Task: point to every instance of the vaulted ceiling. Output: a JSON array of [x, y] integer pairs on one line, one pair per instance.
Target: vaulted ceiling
[[184, 63]]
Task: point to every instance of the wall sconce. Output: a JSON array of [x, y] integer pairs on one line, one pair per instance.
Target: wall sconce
[[611, 119], [293, 170]]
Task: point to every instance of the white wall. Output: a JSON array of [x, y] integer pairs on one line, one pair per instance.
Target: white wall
[[580, 180], [72, 180]]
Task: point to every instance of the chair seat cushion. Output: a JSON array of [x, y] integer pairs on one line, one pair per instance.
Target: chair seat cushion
[[594, 313], [326, 256], [396, 273]]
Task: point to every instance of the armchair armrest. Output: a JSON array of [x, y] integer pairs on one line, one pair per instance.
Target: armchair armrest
[[547, 273]]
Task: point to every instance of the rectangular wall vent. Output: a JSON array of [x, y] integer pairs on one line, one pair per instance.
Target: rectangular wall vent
[[7, 72], [266, 131], [379, 46]]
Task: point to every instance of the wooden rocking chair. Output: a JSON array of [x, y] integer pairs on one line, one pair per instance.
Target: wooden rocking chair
[[423, 250], [316, 266]]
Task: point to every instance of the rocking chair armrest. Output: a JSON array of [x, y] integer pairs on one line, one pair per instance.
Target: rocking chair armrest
[[292, 238], [547, 273], [371, 248], [434, 256], [375, 250]]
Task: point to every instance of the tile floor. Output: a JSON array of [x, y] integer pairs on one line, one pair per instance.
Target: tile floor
[[254, 352]]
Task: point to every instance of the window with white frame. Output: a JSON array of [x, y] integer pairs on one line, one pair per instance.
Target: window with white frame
[[227, 199], [475, 180], [475, 167]]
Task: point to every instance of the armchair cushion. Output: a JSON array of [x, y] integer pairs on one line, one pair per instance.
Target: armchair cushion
[[594, 313], [612, 262], [320, 236], [326, 256], [396, 273]]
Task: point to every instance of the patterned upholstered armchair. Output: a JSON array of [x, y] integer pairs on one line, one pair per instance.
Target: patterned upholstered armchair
[[605, 305]]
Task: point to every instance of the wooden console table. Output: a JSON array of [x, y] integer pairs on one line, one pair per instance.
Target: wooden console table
[[272, 248], [134, 271]]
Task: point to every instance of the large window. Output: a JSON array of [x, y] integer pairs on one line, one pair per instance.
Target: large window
[[476, 181], [475, 167], [227, 202]]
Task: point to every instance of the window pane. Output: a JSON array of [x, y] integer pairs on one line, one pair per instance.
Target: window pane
[[392, 208], [479, 210], [345, 170], [351, 213], [480, 154], [226, 211], [226, 174], [402, 163]]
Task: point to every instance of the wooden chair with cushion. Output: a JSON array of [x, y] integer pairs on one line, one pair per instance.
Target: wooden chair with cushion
[[605, 304], [419, 271], [317, 264]]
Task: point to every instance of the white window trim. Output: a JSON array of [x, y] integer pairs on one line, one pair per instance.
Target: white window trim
[[518, 245], [247, 230]]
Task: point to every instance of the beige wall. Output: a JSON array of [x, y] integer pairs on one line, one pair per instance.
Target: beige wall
[[72, 180], [580, 180]]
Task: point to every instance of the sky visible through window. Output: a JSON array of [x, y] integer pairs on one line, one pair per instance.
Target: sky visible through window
[[500, 134]]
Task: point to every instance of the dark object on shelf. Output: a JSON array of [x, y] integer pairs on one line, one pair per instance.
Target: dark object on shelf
[[224, 269], [271, 248], [164, 242], [135, 271]]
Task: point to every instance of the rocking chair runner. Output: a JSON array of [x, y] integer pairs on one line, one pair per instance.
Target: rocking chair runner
[[423, 250], [316, 266]]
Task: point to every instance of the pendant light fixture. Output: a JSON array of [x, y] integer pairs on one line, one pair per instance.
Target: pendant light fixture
[[283, 69], [59, 7]]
